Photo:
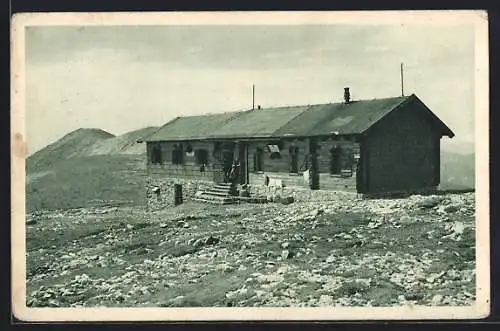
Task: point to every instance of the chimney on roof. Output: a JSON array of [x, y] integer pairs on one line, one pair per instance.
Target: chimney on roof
[[347, 95]]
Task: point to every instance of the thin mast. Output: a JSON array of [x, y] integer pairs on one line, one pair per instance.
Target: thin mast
[[253, 96], [402, 81]]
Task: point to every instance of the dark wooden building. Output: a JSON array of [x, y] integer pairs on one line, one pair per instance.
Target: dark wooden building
[[368, 146]]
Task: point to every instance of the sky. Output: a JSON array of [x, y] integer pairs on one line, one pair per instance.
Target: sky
[[122, 78]]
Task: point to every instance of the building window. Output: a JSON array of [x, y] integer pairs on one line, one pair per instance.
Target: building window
[[294, 155], [275, 151], [335, 166], [177, 155], [258, 160], [156, 154], [189, 151], [201, 156]]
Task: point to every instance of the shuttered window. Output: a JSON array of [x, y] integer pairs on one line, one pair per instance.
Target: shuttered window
[[201, 156], [156, 155], [177, 155], [258, 160], [294, 159]]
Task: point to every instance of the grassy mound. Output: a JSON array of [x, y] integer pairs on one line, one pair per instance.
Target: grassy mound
[[74, 144], [84, 181]]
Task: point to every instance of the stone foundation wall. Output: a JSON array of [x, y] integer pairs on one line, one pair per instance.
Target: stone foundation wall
[[326, 181], [300, 194], [160, 191]]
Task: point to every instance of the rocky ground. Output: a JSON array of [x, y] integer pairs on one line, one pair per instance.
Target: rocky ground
[[344, 252]]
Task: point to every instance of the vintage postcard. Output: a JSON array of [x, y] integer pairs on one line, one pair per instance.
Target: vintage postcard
[[250, 166]]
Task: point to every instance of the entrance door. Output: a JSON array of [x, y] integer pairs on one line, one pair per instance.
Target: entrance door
[[243, 159], [314, 165], [227, 158], [227, 161], [362, 170], [335, 167]]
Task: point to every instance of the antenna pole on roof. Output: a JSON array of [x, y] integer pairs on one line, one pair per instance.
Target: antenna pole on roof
[[253, 96], [402, 81]]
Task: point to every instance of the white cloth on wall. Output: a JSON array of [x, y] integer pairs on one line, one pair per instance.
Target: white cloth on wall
[[273, 148], [275, 182], [306, 176]]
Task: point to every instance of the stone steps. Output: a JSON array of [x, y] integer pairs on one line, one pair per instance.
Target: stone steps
[[225, 202], [216, 193], [217, 190], [207, 198], [220, 193], [222, 186]]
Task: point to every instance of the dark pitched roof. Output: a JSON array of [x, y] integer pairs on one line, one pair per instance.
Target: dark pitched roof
[[355, 117], [352, 118], [191, 127]]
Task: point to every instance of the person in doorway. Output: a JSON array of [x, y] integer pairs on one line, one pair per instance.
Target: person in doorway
[[227, 167], [234, 174]]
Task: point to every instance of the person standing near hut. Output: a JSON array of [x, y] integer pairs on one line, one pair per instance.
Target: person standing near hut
[[234, 174]]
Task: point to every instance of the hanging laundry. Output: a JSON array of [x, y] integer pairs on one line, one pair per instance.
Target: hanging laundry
[[273, 148], [306, 176], [275, 182]]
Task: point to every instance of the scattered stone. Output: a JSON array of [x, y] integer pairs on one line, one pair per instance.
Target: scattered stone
[[212, 240], [414, 295], [430, 202], [326, 274], [177, 301], [286, 254], [436, 300], [451, 209], [287, 200], [325, 300], [31, 221], [330, 259], [236, 293]]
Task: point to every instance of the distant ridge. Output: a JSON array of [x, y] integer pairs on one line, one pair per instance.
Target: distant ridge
[[74, 144], [88, 142], [87, 165], [124, 144], [457, 170]]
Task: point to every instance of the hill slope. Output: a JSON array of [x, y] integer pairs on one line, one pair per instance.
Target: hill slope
[[123, 144], [74, 144], [87, 167], [457, 171], [87, 181]]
